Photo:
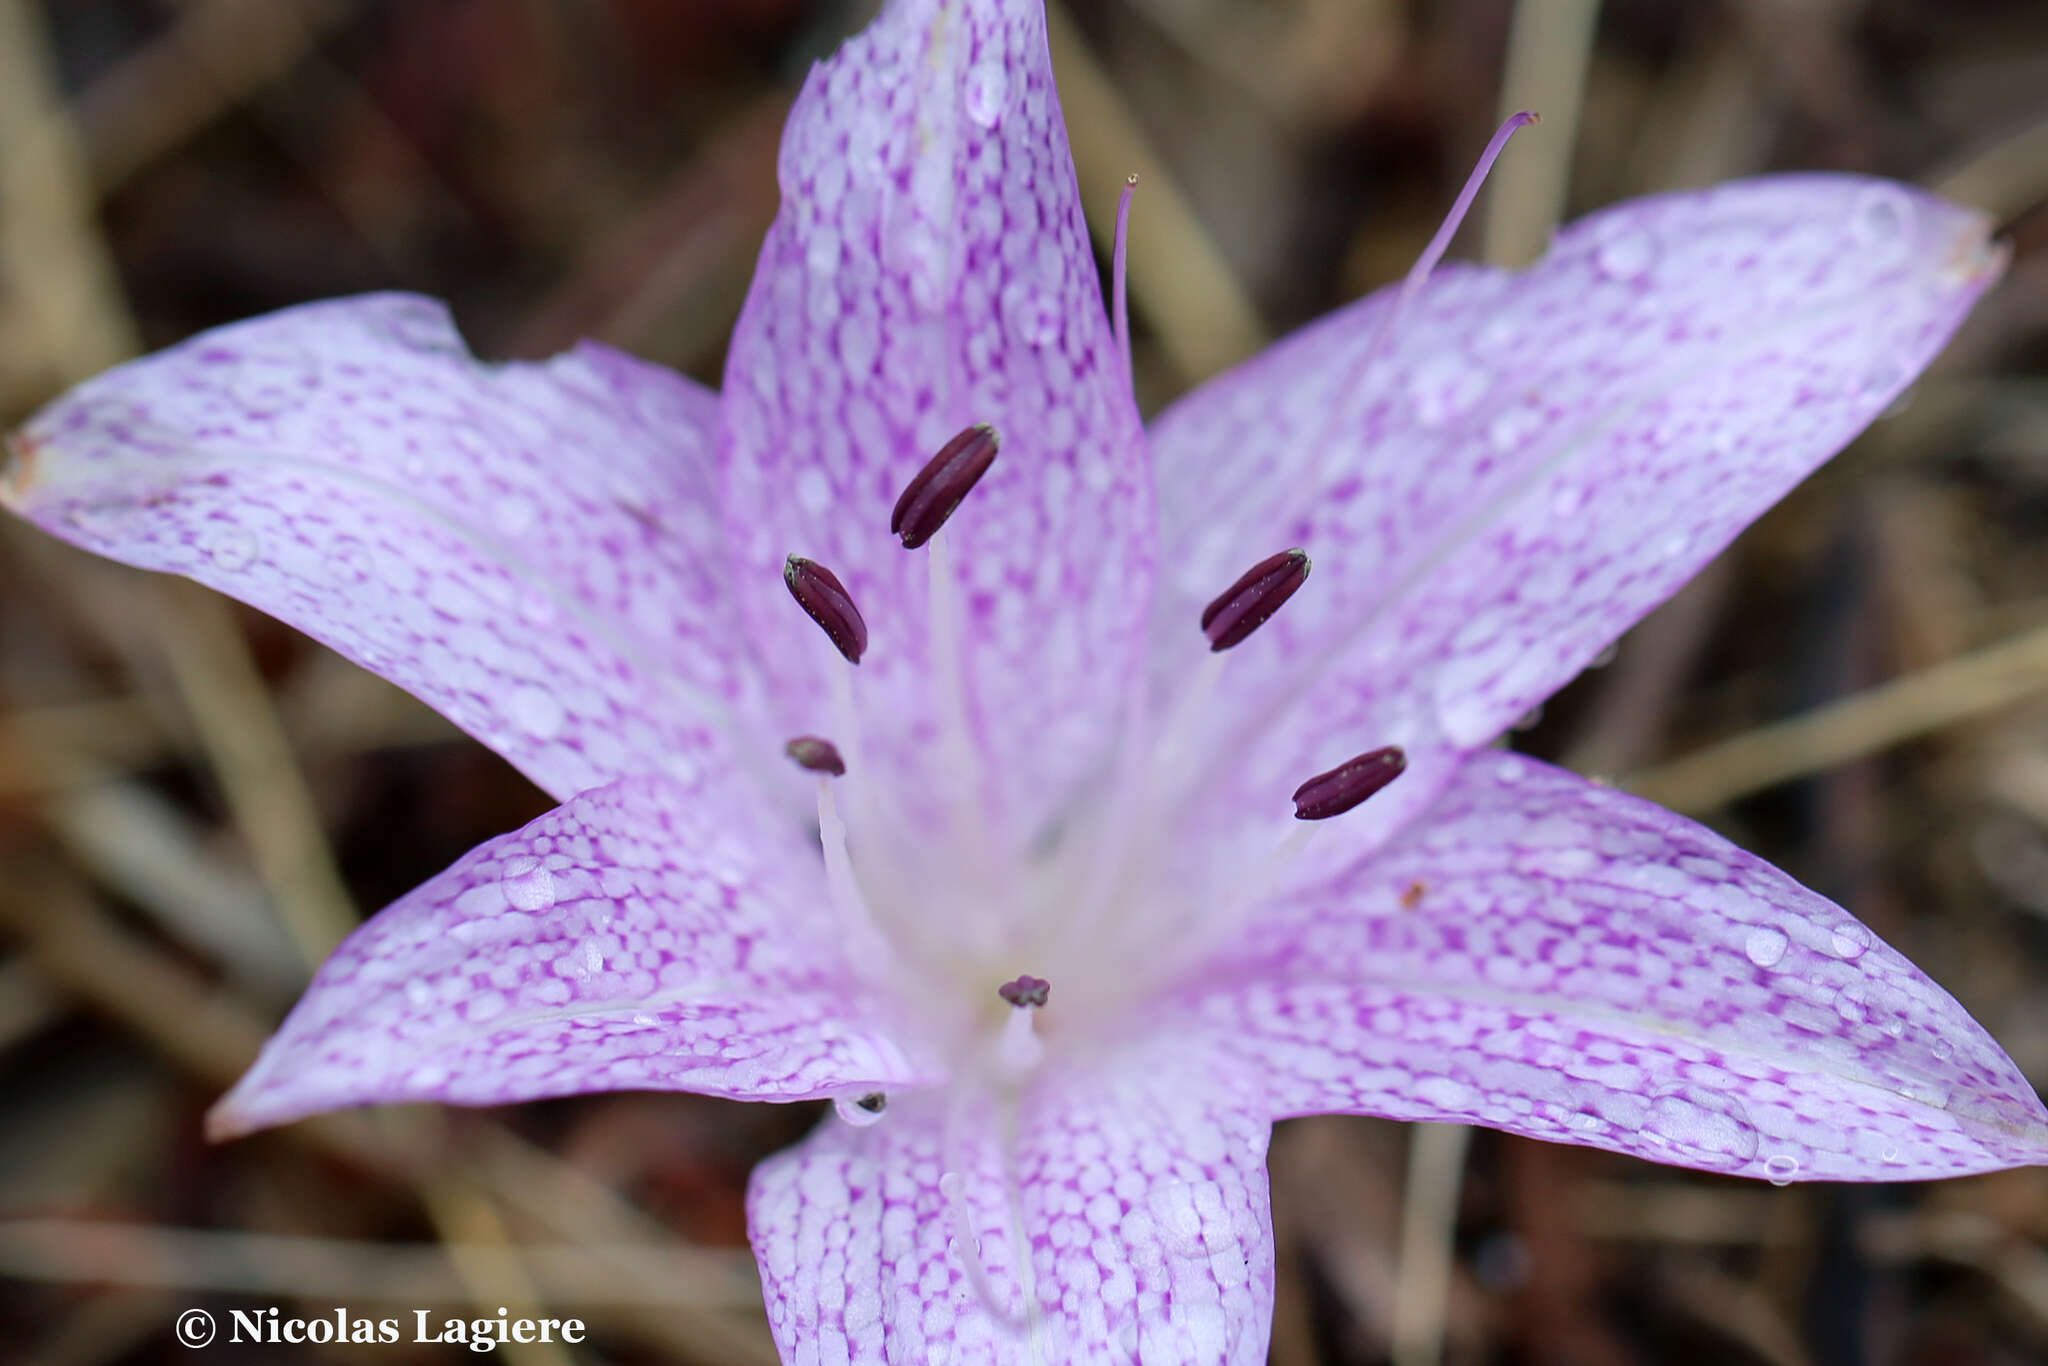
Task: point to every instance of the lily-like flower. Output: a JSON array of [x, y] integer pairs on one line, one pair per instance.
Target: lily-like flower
[[1033, 904]]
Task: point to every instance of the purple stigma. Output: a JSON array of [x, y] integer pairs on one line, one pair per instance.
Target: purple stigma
[[1025, 991], [1348, 784], [934, 491], [819, 592], [1246, 605], [817, 754]]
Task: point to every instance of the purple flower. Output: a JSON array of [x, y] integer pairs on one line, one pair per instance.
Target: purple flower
[[1056, 944]]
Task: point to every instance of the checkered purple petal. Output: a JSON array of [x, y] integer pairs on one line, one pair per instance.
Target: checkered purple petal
[[1561, 960], [645, 936], [531, 549]]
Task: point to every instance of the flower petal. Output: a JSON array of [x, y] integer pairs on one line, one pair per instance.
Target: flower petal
[[930, 269], [643, 936], [525, 547], [1142, 1201], [1554, 958], [1539, 458]]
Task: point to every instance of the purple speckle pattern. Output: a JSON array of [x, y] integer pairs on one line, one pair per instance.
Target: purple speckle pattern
[[930, 268], [580, 562], [1135, 1197], [643, 936], [1536, 461], [1551, 957], [528, 548]]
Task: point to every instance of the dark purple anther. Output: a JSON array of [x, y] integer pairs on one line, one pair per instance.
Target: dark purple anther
[[1348, 784], [818, 591], [1244, 606], [1025, 991], [932, 494], [817, 754]]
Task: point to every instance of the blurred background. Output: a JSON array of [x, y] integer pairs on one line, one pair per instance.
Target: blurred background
[[194, 799]]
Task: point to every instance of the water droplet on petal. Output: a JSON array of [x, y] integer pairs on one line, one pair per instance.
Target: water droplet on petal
[[952, 1185], [1567, 499], [348, 561], [418, 994], [1702, 1127], [987, 90], [1178, 1219], [1627, 256], [528, 884], [1512, 428], [1781, 1168], [514, 515], [864, 1110], [534, 711], [1896, 1028], [1849, 940], [593, 956], [1764, 945], [1676, 544], [821, 253], [231, 547], [1943, 1049], [1032, 316], [1444, 388], [1880, 378], [1891, 1152], [1881, 217], [537, 606]]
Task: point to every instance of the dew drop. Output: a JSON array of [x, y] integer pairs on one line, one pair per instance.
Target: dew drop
[[1567, 499], [537, 606], [1512, 428], [1676, 544], [1781, 1168], [1890, 1153], [1627, 256], [1177, 1219], [1942, 1049], [534, 711], [528, 884], [864, 1110], [1881, 216], [1764, 945], [514, 515], [1031, 315], [1500, 334], [1702, 1127], [230, 547], [348, 561], [1881, 378], [987, 90], [418, 993], [1849, 1005], [821, 253], [421, 327], [1849, 940], [1897, 1027], [951, 1185], [1444, 388], [593, 956]]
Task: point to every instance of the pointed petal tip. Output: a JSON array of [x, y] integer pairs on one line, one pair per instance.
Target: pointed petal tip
[[228, 1119], [19, 456]]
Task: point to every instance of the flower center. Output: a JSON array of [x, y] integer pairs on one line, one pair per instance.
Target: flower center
[[1107, 902]]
